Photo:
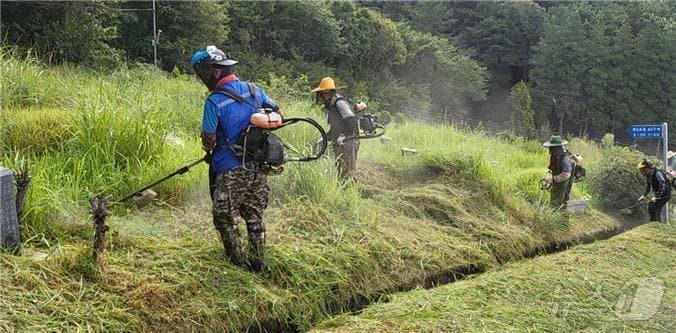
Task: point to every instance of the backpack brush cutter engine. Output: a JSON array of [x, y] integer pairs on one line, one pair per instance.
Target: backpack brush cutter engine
[[369, 125], [259, 149], [262, 151]]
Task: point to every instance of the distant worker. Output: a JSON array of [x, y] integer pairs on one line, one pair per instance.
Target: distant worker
[[671, 169], [561, 167], [657, 181], [344, 129], [236, 191]]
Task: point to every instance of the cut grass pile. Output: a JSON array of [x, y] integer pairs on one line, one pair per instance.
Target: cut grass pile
[[465, 199], [626, 283]]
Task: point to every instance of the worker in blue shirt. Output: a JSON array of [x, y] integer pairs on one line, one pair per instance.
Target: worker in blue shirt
[[236, 191]]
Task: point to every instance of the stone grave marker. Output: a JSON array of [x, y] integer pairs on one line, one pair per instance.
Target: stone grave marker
[[9, 222]]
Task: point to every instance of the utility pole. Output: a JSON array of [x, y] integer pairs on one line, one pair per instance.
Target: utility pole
[[154, 36], [665, 150]]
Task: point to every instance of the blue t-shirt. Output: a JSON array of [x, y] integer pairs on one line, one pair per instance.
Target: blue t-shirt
[[225, 117]]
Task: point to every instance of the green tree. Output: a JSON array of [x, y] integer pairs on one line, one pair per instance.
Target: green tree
[[374, 45], [78, 32], [501, 33], [186, 27], [295, 30], [434, 17], [452, 77], [560, 63], [522, 117], [597, 65]]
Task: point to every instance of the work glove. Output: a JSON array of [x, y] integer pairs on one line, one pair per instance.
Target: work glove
[[549, 178], [208, 157], [340, 140], [641, 198], [653, 199]]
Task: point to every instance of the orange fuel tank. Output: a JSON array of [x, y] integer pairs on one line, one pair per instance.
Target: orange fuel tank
[[266, 119]]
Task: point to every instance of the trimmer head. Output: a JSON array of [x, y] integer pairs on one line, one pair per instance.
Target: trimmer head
[[144, 198]]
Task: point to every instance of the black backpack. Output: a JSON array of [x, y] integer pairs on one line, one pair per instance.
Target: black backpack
[[256, 147], [259, 146]]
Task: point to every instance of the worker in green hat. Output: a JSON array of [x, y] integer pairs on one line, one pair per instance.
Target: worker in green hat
[[561, 167]]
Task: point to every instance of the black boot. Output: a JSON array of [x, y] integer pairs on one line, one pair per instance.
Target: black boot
[[257, 249], [232, 243]]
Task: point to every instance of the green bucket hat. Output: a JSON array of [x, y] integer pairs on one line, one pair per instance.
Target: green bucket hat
[[555, 141]]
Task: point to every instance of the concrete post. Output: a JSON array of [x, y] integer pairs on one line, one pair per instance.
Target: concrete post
[[665, 150], [9, 222]]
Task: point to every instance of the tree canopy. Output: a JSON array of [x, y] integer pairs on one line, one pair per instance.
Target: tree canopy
[[590, 67]]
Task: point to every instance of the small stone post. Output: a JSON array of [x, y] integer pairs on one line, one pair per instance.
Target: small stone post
[[10, 236], [99, 211]]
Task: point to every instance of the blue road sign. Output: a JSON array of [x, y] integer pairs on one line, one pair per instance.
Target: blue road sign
[[646, 131]]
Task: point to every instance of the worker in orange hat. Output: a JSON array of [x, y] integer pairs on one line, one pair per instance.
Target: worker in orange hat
[[344, 128]]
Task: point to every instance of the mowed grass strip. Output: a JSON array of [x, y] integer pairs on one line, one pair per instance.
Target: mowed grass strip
[[626, 283]]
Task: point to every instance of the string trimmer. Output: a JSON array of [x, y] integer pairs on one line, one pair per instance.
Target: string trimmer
[[628, 211]]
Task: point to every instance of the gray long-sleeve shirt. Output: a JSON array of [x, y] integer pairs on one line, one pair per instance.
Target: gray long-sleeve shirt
[[341, 118]]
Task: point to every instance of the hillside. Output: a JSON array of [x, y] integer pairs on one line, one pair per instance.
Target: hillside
[[465, 203]]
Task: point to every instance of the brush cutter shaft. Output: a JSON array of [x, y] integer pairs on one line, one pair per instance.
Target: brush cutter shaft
[[369, 135], [374, 134], [286, 122], [178, 171], [644, 202]]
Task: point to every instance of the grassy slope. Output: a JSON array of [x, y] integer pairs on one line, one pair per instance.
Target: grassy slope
[[464, 199], [576, 290]]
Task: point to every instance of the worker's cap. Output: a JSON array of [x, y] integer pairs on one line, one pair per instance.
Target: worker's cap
[[325, 84], [555, 141], [644, 164], [213, 56]]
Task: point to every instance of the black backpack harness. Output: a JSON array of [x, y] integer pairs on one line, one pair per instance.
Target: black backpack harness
[[258, 148], [368, 123]]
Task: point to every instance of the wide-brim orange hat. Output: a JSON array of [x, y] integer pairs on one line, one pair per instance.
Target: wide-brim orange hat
[[326, 83]]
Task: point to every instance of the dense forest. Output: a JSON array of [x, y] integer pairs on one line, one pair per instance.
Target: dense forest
[[582, 68]]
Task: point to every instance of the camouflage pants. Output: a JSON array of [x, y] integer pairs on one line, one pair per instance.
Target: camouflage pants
[[241, 193], [346, 159]]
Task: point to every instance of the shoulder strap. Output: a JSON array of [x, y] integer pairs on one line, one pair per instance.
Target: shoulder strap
[[335, 100], [230, 93], [239, 98], [253, 90]]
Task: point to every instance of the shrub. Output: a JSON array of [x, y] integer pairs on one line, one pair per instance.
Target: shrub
[[617, 183], [520, 103], [385, 117], [608, 140]]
